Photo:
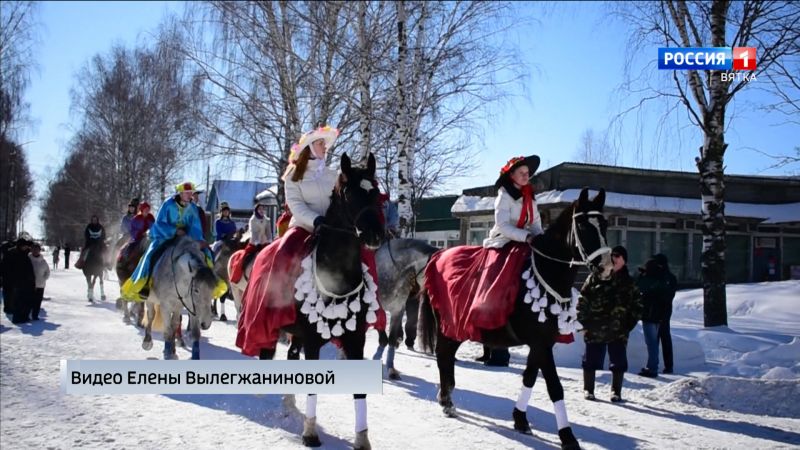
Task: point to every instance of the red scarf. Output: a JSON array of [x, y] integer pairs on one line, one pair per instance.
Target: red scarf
[[526, 215]]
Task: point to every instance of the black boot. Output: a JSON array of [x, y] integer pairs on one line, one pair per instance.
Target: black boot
[[616, 386], [588, 384], [499, 358], [568, 441]]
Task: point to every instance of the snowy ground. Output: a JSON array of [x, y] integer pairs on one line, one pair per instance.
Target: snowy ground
[[736, 387]]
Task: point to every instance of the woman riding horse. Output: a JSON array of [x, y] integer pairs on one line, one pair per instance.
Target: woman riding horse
[[341, 212], [178, 216], [519, 294]]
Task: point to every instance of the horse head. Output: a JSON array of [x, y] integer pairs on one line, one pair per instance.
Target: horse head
[[354, 203], [588, 236], [192, 280]]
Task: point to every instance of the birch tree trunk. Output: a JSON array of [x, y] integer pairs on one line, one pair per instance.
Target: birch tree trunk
[[404, 163]]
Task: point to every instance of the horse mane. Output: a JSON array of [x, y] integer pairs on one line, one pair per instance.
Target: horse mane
[[563, 222]]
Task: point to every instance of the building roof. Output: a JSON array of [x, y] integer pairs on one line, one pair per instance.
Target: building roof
[[663, 183], [768, 213], [433, 214], [240, 194]]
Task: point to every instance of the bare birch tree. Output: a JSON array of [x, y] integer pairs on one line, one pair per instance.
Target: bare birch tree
[[773, 27]]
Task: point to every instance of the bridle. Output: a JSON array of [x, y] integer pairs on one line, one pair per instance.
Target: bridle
[[573, 239], [191, 284]]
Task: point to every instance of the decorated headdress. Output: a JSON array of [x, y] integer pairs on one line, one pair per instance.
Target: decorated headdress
[[327, 132], [518, 161], [224, 205], [186, 186]]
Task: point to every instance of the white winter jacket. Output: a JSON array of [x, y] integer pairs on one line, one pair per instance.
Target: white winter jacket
[[506, 216], [311, 196], [41, 269], [260, 230]]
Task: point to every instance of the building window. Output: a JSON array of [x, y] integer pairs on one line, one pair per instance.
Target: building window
[[613, 238], [640, 245], [674, 247], [791, 258], [737, 258], [478, 231]]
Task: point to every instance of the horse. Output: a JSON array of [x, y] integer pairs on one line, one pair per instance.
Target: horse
[[221, 259], [401, 273], [94, 257], [181, 279], [335, 286], [577, 237], [127, 259]]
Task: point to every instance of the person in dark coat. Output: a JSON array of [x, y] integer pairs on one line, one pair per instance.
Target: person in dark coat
[[655, 291], [609, 310], [66, 256], [18, 273], [664, 334]]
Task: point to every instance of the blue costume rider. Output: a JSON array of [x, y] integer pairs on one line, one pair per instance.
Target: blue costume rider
[[177, 213]]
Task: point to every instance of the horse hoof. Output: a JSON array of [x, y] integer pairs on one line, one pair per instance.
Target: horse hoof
[[102, 298], [394, 374], [147, 345], [450, 411], [119, 304], [181, 342], [126, 320], [521, 422], [362, 441], [312, 441], [223, 318], [568, 441]]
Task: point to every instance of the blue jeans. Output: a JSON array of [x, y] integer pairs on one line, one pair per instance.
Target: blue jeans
[[651, 340]]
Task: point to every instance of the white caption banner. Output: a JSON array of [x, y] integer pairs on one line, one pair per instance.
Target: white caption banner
[[96, 377]]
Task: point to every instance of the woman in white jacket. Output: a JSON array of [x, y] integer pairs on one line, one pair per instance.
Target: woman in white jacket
[[483, 281], [269, 298]]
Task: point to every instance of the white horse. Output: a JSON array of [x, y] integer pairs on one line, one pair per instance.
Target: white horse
[[181, 279]]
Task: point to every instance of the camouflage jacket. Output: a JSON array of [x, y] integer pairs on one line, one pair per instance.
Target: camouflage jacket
[[609, 309]]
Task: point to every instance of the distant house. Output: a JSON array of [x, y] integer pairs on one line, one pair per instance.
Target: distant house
[[241, 196], [658, 211], [435, 223]]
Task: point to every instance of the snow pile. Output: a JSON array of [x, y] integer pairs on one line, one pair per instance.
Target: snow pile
[[767, 397], [469, 203]]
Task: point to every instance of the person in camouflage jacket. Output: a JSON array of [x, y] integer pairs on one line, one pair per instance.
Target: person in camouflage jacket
[[609, 310]]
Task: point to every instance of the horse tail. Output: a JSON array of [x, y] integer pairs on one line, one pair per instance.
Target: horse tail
[[426, 325]]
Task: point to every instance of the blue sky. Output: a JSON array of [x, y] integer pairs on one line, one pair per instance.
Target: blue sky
[[575, 53]]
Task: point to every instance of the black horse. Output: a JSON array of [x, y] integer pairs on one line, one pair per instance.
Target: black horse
[[351, 222], [94, 263], [577, 237]]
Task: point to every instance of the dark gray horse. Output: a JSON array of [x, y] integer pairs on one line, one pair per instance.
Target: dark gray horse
[[94, 262], [401, 266]]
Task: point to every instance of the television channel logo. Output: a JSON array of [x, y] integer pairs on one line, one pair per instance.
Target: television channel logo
[[707, 58]]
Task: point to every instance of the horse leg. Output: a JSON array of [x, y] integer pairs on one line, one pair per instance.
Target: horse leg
[[556, 392], [90, 288], [383, 340], [520, 413], [147, 343], [294, 349], [310, 435], [179, 332], [222, 316], [353, 345], [214, 308], [169, 334], [195, 338], [102, 291], [395, 333], [138, 311], [446, 349]]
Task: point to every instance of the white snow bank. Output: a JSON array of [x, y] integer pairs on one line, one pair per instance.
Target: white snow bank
[[767, 397]]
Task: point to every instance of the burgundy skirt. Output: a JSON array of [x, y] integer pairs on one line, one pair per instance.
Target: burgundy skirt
[[473, 288]]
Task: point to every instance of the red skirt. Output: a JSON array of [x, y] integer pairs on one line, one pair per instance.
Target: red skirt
[[473, 288], [269, 303]]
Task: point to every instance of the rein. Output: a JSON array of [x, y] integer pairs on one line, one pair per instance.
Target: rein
[[191, 286]]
